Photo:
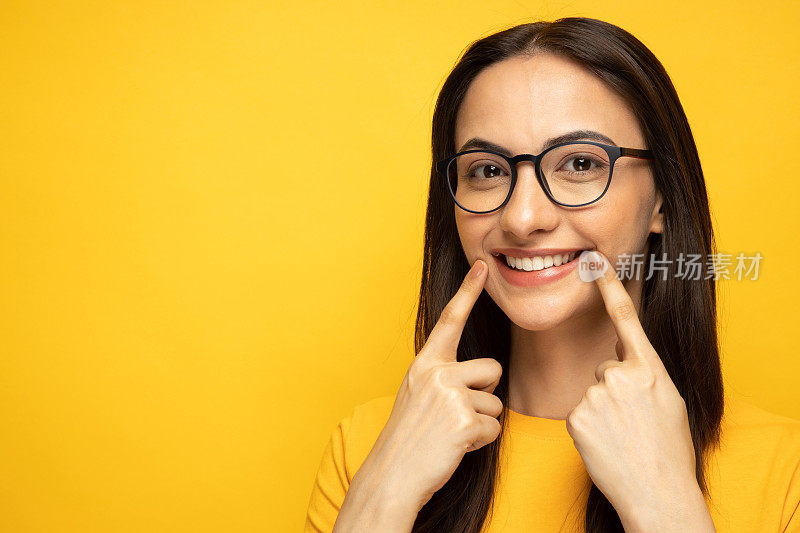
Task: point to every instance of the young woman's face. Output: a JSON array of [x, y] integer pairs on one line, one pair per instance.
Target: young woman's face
[[519, 104]]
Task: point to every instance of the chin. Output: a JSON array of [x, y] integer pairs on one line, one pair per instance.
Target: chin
[[540, 312], [537, 321]]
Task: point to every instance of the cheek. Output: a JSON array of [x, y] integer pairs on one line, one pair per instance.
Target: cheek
[[471, 232], [616, 227]]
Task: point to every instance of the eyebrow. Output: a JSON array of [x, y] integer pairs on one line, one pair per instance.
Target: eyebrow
[[577, 135]]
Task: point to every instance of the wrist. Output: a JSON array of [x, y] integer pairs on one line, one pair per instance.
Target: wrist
[[376, 505], [679, 512]]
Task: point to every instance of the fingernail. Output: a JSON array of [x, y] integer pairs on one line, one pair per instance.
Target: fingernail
[[477, 269], [591, 266], [592, 255]]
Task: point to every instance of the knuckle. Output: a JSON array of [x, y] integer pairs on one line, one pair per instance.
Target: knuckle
[[414, 376], [437, 375], [679, 406], [682, 406], [623, 310], [498, 405], [574, 420], [593, 393], [493, 369], [497, 368], [465, 423], [495, 428], [411, 379], [612, 373], [456, 396], [648, 379], [468, 285], [449, 314]]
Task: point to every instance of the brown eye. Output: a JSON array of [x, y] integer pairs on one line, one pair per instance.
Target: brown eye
[[581, 163], [491, 171]]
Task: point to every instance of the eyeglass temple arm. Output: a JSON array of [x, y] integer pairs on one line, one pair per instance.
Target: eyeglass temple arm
[[636, 152]]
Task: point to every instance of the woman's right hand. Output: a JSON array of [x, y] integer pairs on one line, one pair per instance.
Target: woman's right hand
[[443, 409]]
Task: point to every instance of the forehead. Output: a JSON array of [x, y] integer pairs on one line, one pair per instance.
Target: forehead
[[521, 102]]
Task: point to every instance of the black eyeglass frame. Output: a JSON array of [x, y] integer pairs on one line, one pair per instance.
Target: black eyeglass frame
[[614, 153]]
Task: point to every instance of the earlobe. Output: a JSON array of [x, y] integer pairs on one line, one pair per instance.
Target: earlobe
[[657, 218]]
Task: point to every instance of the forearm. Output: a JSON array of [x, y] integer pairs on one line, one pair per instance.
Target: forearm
[[683, 512], [371, 506]]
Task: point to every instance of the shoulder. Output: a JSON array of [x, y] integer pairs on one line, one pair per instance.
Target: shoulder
[[349, 444], [743, 419], [753, 439], [749, 431], [363, 425], [374, 411], [756, 468]]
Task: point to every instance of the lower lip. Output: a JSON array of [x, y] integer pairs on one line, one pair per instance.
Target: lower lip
[[535, 278]]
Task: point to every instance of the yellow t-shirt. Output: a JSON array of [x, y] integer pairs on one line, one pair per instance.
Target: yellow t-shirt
[[754, 477]]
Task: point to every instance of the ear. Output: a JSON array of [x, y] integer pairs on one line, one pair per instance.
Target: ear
[[657, 217]]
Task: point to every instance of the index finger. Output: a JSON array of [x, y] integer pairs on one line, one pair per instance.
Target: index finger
[[443, 341], [620, 306]]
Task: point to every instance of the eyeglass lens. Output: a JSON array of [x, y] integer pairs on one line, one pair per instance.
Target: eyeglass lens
[[574, 174]]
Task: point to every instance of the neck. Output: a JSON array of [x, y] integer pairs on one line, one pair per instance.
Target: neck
[[550, 370]]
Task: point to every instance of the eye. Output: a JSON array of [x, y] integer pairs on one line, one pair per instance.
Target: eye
[[581, 164], [486, 171]]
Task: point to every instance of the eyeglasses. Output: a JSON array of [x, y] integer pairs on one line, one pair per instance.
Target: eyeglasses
[[572, 174]]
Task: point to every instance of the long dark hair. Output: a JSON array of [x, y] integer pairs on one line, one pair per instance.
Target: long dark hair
[[678, 315]]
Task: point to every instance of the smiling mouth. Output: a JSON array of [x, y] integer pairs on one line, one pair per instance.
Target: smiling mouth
[[532, 264]]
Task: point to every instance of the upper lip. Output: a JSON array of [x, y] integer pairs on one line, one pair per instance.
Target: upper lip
[[519, 252]]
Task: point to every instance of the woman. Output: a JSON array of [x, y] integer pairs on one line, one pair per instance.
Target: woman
[[549, 393]]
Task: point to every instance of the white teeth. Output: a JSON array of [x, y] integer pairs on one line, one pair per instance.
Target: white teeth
[[529, 264]]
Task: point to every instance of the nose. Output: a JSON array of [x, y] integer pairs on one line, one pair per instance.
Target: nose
[[529, 209]]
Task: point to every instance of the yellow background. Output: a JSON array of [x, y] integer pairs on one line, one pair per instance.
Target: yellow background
[[211, 227]]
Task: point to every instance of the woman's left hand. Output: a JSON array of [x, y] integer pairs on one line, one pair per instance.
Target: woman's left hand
[[632, 428]]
